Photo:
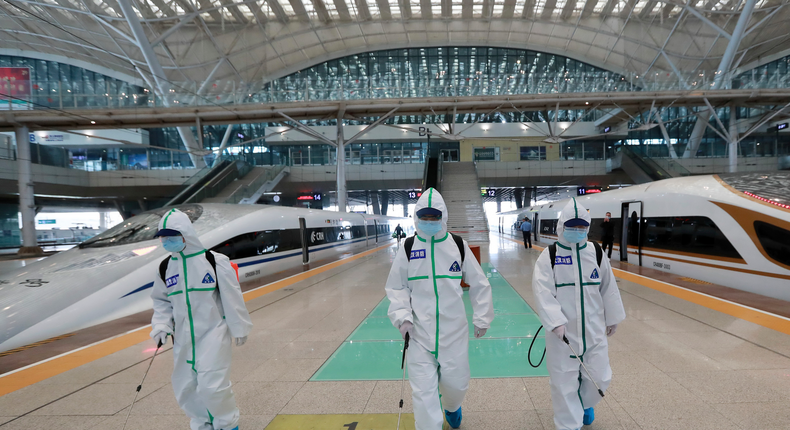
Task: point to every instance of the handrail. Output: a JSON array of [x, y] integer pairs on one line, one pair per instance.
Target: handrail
[[650, 167], [246, 191], [201, 179]]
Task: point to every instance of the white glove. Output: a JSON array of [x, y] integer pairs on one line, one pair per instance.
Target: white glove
[[159, 336], [241, 341], [404, 328], [480, 332], [559, 331], [610, 330]]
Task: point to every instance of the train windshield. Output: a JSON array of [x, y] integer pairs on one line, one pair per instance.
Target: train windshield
[[774, 186], [138, 228]]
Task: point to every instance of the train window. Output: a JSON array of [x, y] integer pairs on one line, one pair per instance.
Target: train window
[[548, 226], [695, 234], [259, 243], [138, 228], [596, 229], [775, 241]]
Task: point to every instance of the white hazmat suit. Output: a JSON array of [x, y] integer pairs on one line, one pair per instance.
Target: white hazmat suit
[[203, 310], [426, 291], [585, 299]]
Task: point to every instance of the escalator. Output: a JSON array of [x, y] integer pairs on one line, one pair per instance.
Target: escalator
[[640, 168], [210, 181]]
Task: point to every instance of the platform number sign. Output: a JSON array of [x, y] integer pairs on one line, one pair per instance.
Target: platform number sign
[[782, 126], [413, 195], [490, 192], [317, 197]]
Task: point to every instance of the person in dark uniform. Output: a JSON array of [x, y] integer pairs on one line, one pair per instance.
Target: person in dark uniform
[[526, 229], [399, 234], [607, 233]]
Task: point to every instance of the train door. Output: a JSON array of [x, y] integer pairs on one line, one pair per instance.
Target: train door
[[376, 229], [305, 241], [631, 237], [536, 218]]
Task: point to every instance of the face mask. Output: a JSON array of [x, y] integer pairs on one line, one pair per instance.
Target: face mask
[[574, 236], [173, 243], [430, 227]]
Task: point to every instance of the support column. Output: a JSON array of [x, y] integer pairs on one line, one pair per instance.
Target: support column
[[385, 201], [498, 203], [374, 198], [342, 190], [26, 197], [406, 206], [733, 143], [723, 75], [102, 221], [223, 144], [518, 193], [160, 79]]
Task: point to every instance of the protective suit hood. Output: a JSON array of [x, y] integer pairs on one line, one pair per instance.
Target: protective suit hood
[[174, 219], [431, 199], [572, 210]]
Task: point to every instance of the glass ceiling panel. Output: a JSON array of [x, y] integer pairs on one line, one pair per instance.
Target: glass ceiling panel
[[373, 7], [394, 8]]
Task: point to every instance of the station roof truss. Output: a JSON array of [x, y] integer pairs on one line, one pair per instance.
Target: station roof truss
[[261, 40]]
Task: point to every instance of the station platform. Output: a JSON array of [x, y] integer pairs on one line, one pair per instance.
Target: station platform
[[322, 355]]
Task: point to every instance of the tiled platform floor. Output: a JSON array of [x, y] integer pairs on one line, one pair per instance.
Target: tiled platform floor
[[676, 365]]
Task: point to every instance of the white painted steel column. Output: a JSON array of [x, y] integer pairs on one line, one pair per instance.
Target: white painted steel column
[[342, 190], [162, 85], [722, 75], [26, 197], [733, 143]]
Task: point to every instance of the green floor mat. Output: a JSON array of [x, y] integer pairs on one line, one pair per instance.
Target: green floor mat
[[374, 350]]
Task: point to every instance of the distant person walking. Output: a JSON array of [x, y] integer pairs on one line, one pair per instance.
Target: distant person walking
[[607, 233], [526, 229]]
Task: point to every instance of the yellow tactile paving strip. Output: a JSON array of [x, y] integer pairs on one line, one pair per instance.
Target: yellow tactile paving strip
[[38, 372], [765, 319]]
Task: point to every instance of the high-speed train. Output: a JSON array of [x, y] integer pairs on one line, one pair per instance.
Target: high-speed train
[[730, 229], [110, 275]]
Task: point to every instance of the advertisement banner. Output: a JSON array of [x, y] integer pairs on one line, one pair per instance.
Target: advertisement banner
[[15, 82]]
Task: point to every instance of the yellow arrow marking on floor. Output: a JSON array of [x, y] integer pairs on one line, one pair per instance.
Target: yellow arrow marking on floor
[[341, 422]]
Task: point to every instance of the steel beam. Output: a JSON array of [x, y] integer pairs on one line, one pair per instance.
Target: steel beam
[[722, 74], [173, 28], [160, 79], [223, 144], [213, 114]]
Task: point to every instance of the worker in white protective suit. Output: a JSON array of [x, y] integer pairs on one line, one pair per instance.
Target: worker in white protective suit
[[203, 309], [577, 299], [426, 301]]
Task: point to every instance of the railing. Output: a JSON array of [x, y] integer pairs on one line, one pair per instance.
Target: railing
[[193, 186], [246, 191], [79, 95], [646, 164]]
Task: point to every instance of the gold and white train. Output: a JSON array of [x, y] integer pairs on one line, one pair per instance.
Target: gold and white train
[[730, 229]]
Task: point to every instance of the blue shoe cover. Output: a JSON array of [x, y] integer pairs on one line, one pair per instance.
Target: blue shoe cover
[[453, 418], [589, 416]]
